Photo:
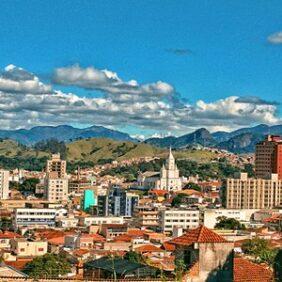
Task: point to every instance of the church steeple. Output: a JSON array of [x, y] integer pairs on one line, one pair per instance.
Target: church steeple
[[170, 162]]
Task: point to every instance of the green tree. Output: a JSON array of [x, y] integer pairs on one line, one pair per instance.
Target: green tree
[[177, 200], [224, 222], [193, 186], [48, 266], [133, 257], [29, 184], [260, 249], [180, 268], [5, 223]]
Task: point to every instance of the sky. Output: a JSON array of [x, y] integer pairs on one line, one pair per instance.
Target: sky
[[149, 68]]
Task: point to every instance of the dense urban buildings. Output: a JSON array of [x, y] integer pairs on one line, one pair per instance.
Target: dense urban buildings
[[166, 221]]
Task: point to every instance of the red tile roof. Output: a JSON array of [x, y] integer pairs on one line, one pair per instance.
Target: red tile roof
[[246, 271], [97, 238], [9, 235], [136, 233], [123, 238], [168, 246], [158, 192], [199, 235], [19, 263], [147, 249], [80, 252], [57, 241]]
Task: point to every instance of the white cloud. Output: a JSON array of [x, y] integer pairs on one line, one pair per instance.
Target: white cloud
[[275, 38], [17, 80], [108, 81], [30, 106]]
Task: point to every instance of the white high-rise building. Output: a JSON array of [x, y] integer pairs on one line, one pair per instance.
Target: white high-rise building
[[169, 177], [4, 184]]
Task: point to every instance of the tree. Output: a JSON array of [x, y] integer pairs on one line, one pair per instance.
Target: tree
[[180, 268], [5, 223], [224, 222], [260, 249], [133, 257], [48, 266], [193, 186], [177, 200], [29, 185]]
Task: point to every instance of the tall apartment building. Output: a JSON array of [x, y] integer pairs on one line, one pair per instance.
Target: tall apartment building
[[117, 202], [253, 193], [268, 158], [56, 167], [56, 179], [4, 184]]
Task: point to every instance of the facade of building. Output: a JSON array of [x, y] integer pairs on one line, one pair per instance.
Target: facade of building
[[167, 179], [89, 200], [98, 220], [187, 219], [56, 166], [56, 180], [4, 184], [57, 189], [268, 159], [34, 218], [242, 215], [27, 248], [253, 193]]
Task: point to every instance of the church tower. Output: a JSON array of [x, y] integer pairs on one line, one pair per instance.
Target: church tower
[[169, 179]]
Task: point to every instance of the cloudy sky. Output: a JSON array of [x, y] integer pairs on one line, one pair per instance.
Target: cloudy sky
[[143, 67]]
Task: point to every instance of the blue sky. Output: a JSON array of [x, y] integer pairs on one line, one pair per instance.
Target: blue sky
[[205, 50]]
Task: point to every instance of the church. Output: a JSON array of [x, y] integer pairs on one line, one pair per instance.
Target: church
[[167, 179]]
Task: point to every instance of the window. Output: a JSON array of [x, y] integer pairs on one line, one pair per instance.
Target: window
[[22, 249], [40, 249]]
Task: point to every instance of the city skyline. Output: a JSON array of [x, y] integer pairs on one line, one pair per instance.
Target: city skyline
[[146, 68]]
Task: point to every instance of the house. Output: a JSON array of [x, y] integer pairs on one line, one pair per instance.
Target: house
[[27, 248], [6, 237], [113, 230], [206, 255]]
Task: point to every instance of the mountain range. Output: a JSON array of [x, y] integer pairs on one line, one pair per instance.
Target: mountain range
[[239, 141], [62, 133]]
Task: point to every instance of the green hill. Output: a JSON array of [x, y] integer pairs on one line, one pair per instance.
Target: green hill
[[11, 149], [87, 152], [95, 149]]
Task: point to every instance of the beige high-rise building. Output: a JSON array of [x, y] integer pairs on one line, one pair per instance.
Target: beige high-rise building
[[4, 184], [56, 167], [253, 193], [56, 180], [57, 189]]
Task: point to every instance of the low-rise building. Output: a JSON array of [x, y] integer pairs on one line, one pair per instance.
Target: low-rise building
[[28, 248], [98, 220], [185, 218], [112, 230], [242, 215], [35, 218]]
